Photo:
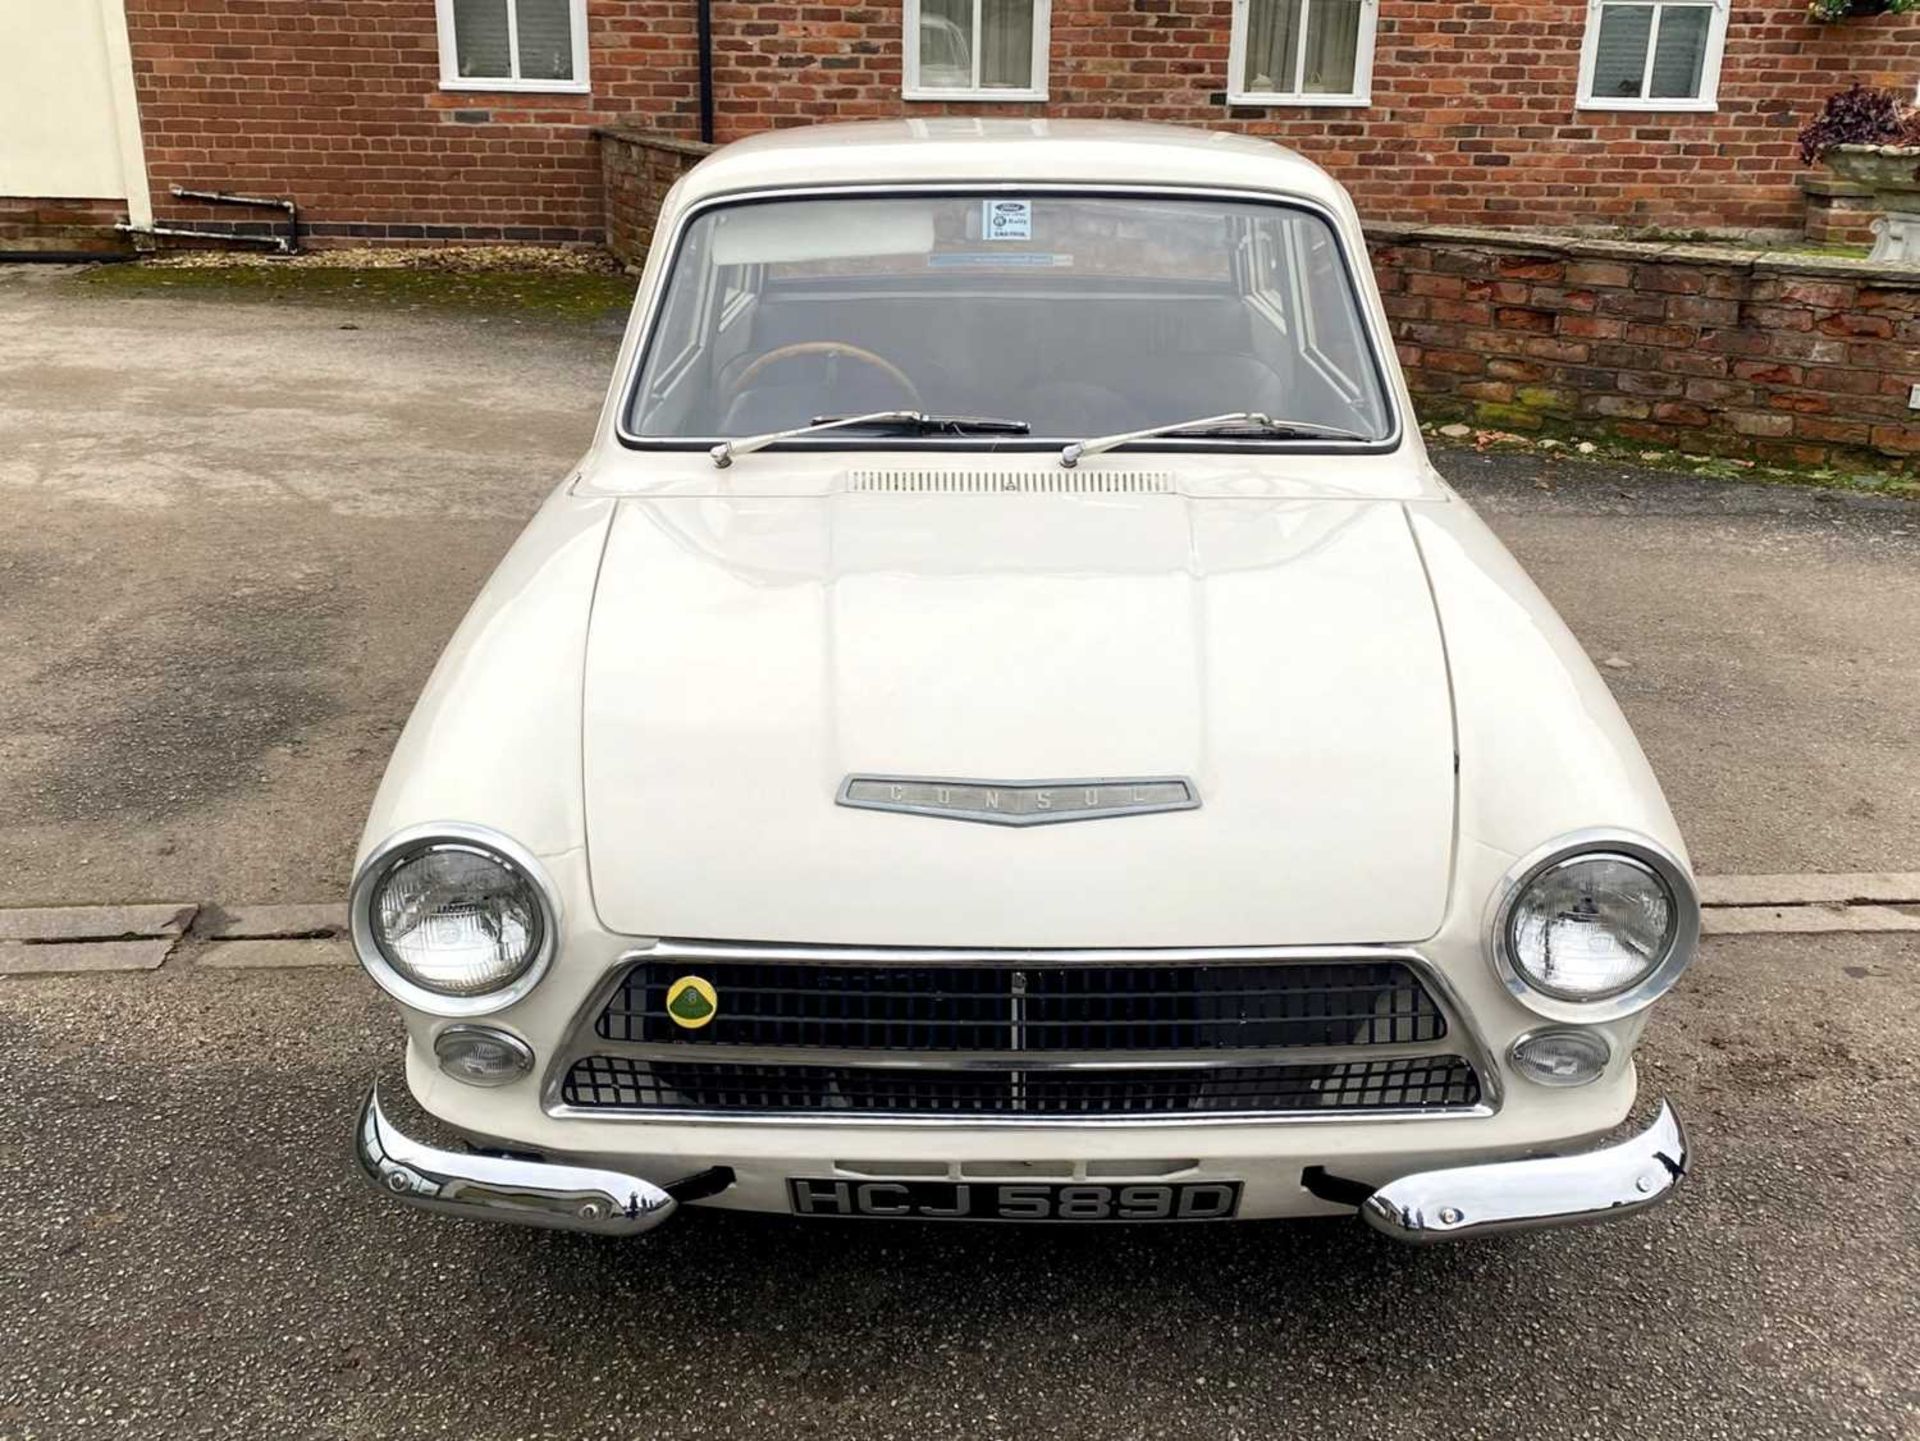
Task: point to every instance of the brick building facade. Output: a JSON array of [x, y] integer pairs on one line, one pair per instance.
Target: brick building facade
[[1471, 113]]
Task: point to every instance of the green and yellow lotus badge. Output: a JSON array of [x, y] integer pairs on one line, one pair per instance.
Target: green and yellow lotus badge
[[692, 1002]]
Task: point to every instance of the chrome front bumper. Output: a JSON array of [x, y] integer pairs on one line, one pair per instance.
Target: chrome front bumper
[[1460, 1202], [499, 1188], [1483, 1200]]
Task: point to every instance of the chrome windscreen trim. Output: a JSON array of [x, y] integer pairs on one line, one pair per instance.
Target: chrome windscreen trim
[[1463, 1037], [1375, 332]]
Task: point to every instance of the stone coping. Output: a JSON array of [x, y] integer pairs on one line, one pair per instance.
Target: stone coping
[[1816, 182], [1757, 261], [654, 139]]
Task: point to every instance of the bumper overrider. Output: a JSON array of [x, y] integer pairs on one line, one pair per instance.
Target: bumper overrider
[[1457, 1202], [507, 1188]]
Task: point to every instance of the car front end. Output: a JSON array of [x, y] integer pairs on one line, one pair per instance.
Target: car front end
[[1024, 801]]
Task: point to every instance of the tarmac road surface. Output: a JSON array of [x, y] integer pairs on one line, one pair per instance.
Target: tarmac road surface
[[235, 538]]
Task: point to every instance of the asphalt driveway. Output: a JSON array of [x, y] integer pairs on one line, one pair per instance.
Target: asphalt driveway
[[235, 537]]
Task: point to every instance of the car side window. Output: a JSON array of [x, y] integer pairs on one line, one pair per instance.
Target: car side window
[[1329, 333], [738, 286], [677, 340]]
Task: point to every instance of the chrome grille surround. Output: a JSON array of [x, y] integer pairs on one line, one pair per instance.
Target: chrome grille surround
[[1438, 1044]]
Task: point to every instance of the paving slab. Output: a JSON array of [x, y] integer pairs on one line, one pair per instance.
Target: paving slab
[[309, 919], [20, 958], [90, 923], [1837, 888], [1805, 920], [275, 955]]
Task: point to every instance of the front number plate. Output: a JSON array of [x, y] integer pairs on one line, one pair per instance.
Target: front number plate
[[1016, 1200]]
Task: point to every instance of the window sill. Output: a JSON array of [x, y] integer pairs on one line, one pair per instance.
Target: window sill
[[1351, 102], [1024, 97], [519, 87], [1651, 107]]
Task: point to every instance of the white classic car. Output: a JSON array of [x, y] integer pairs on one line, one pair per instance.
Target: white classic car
[[1005, 722]]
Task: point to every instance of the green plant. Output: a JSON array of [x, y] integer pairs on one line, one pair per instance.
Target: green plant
[[1831, 10]]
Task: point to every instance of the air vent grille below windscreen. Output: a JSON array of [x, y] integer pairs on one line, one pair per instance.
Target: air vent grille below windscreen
[[1057, 481]]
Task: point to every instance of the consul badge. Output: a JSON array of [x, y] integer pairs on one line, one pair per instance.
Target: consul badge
[[1020, 803]]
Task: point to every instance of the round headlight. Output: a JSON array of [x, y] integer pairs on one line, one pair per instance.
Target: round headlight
[[1596, 932], [453, 925], [1591, 927]]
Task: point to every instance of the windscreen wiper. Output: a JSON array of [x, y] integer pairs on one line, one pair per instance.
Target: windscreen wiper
[[1240, 422], [914, 422]]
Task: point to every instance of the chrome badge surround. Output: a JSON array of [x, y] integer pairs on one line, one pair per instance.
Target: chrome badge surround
[[1020, 803]]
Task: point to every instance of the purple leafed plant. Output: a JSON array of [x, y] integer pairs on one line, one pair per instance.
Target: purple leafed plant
[[1860, 116]]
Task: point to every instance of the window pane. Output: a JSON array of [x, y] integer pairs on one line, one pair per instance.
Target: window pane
[[1328, 325], [1006, 44], [676, 339], [1680, 58], [1273, 40], [480, 39], [546, 39], [1620, 56], [1101, 315], [1333, 47], [946, 44]]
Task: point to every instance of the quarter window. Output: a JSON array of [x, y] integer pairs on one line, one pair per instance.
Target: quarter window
[[1302, 52], [1652, 56], [513, 44], [976, 49]]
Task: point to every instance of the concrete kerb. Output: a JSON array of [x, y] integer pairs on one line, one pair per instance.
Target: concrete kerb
[[73, 940]]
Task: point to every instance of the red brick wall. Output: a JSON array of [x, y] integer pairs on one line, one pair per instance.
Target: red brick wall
[[1794, 360], [77, 227], [639, 168], [335, 102]]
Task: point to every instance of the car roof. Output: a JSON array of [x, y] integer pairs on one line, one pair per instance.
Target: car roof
[[1020, 151]]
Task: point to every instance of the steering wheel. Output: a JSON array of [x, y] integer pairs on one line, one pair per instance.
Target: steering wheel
[[833, 350]]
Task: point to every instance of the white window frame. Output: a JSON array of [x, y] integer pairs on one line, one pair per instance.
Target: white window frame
[[912, 89], [1709, 97], [1362, 92], [452, 79]]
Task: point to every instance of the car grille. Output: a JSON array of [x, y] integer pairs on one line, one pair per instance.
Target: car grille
[[624, 1083], [1054, 1008], [1127, 1034]]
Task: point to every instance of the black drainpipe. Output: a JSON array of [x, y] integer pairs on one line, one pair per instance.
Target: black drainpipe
[[706, 70]]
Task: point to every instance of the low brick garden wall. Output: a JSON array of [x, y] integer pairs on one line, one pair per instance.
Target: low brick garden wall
[[77, 227], [637, 169], [1798, 360]]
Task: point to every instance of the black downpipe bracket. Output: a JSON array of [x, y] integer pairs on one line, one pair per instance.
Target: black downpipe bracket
[[705, 9]]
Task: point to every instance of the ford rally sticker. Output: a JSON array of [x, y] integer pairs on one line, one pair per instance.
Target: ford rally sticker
[[1006, 220]]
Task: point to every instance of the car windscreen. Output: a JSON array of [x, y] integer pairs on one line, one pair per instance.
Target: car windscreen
[[1076, 315]]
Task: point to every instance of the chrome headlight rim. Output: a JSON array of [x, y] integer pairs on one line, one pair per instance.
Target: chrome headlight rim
[[1630, 845], [404, 845]]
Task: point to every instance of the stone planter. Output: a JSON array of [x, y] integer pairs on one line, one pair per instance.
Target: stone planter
[[1892, 173]]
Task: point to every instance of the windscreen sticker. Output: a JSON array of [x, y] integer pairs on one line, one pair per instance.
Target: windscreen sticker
[[1006, 220]]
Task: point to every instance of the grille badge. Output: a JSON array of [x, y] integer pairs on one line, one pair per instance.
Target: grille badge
[[1020, 803], [692, 1002]]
